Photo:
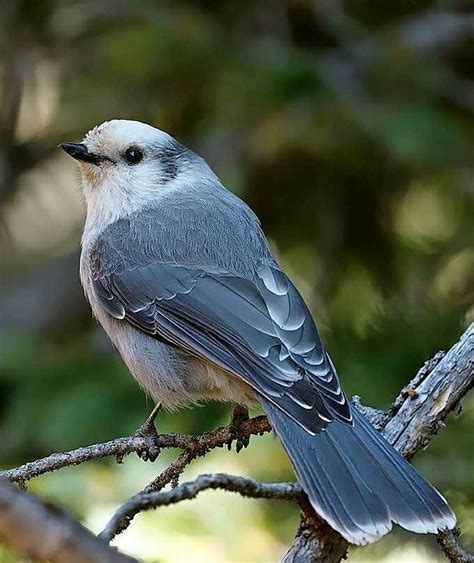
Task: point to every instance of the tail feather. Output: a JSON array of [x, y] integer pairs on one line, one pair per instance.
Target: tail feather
[[406, 480], [357, 482]]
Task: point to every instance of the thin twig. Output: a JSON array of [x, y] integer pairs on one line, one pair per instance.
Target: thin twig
[[245, 487], [171, 474], [121, 447]]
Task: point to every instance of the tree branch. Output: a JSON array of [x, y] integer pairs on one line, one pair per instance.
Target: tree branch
[[195, 446], [245, 487], [436, 391], [416, 415], [453, 551], [42, 532]]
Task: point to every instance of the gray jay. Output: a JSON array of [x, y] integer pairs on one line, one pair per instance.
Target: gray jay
[[179, 273]]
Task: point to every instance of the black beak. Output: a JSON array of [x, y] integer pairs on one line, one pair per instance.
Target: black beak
[[79, 151]]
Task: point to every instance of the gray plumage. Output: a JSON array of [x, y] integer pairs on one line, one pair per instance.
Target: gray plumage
[[237, 309], [189, 292]]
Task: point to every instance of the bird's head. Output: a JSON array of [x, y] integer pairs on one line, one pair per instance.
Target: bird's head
[[126, 165]]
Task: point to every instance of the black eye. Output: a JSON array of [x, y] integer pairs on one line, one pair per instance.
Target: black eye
[[133, 155]]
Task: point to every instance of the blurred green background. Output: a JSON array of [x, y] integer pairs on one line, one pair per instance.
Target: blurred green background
[[347, 126]]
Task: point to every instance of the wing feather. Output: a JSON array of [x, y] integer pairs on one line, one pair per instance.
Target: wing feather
[[260, 330]]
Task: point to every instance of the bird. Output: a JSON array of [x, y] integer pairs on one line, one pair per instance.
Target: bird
[[177, 270]]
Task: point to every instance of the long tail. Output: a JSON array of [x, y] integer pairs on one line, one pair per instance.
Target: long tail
[[357, 482]]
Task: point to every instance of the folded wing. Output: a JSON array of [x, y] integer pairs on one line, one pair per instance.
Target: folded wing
[[260, 330]]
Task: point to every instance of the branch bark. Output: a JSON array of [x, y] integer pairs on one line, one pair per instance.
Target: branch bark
[[196, 446], [232, 483], [453, 551], [41, 532]]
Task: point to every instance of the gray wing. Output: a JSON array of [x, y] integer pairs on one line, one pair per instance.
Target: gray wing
[[261, 331]]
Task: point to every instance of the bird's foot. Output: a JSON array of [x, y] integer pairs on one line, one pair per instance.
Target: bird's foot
[[240, 415], [150, 451]]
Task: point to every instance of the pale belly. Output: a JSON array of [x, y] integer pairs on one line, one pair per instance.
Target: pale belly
[[170, 375]]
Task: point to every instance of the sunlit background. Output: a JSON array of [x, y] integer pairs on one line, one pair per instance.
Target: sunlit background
[[347, 126]]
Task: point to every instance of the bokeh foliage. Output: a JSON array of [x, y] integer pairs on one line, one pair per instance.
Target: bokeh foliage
[[349, 129]]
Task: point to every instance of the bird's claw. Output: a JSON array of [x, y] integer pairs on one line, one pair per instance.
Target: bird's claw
[[239, 416], [149, 451]]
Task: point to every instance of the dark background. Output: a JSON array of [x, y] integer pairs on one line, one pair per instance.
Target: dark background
[[347, 126]]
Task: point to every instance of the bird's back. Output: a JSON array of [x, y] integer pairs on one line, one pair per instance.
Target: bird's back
[[201, 224]]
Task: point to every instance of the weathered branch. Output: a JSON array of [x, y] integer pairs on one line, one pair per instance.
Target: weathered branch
[[245, 487], [434, 393], [416, 415], [196, 446], [41, 532], [453, 551]]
